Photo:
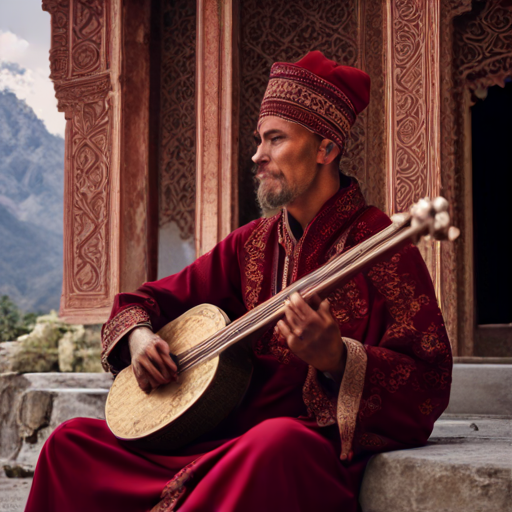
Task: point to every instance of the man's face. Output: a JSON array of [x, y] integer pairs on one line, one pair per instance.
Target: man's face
[[286, 164]]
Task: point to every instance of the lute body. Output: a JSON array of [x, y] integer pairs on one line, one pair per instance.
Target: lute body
[[173, 415]]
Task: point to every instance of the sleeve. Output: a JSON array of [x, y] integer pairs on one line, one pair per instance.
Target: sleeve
[[397, 383], [214, 278]]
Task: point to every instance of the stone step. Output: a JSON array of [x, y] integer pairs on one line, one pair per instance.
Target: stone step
[[481, 389], [466, 467], [33, 404], [57, 380], [43, 410]]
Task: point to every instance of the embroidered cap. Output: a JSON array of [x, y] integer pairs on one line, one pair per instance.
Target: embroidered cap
[[318, 94]]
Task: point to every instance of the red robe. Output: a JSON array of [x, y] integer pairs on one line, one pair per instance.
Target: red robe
[[294, 443]]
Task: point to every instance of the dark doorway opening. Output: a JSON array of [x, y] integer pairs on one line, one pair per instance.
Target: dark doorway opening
[[492, 214]]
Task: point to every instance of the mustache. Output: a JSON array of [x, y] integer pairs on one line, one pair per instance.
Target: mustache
[[257, 168]]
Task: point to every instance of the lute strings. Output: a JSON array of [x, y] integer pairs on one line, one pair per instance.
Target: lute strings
[[314, 282]]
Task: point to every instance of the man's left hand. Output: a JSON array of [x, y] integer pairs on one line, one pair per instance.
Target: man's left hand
[[313, 335]]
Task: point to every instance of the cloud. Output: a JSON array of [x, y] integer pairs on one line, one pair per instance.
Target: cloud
[[12, 47], [27, 77]]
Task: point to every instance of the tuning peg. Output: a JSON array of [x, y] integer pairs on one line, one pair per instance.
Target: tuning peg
[[400, 218], [421, 209], [440, 204], [453, 233], [442, 221]]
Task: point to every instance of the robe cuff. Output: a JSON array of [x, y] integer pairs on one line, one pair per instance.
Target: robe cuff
[[116, 329], [349, 397]]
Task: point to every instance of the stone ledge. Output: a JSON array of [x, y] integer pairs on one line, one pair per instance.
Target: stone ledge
[[481, 389], [460, 470]]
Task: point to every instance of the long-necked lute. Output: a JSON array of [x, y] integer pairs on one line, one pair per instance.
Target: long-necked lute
[[215, 368]]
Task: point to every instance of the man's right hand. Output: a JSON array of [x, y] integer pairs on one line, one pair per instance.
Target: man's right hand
[[151, 362]]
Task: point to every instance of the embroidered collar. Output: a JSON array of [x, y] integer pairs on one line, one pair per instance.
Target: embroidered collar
[[323, 230]]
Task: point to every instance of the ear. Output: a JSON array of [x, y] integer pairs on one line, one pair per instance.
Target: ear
[[327, 152]]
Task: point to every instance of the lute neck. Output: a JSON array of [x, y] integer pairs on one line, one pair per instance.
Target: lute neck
[[322, 281]]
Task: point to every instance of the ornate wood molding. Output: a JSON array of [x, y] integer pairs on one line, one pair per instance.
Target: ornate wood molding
[[79, 69], [177, 176], [412, 101], [413, 111], [216, 122], [104, 245], [484, 47]]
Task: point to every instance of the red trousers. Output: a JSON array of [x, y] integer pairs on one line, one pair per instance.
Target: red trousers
[[281, 464]]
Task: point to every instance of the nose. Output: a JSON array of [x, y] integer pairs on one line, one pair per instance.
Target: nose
[[261, 155]]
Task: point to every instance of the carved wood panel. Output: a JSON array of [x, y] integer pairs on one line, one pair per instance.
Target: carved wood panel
[[411, 109], [177, 187], [483, 45], [89, 44], [79, 70], [88, 150], [273, 31]]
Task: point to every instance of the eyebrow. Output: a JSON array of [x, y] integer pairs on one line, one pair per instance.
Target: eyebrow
[[267, 134]]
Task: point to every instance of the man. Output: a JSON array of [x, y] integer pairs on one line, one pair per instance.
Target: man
[[335, 381]]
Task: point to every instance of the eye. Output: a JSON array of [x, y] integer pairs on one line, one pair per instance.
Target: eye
[[276, 138]]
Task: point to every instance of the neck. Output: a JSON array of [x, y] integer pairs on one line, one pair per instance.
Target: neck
[[307, 205]]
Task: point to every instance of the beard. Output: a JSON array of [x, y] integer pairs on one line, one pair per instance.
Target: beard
[[274, 192]]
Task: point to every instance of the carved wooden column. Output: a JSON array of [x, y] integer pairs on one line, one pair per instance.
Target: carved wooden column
[[217, 121], [413, 111], [105, 205], [460, 326]]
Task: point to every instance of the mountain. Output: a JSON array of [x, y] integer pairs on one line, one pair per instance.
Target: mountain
[[31, 207]]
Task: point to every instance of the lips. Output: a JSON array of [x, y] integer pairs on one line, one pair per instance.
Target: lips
[[264, 174]]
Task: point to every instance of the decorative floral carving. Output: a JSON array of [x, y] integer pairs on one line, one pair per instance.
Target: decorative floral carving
[[178, 125], [88, 37], [89, 110], [483, 45], [59, 52], [79, 65], [408, 46]]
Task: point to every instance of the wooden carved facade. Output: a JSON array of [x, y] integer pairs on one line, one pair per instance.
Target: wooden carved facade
[[161, 98]]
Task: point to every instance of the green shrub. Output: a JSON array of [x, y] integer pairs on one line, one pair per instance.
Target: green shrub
[[12, 322]]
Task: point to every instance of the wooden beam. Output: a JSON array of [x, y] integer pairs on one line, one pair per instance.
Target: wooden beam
[[217, 121]]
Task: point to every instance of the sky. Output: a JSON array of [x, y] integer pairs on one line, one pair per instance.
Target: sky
[[25, 32]]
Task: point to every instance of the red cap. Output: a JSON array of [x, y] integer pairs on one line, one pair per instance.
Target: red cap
[[352, 81], [318, 94]]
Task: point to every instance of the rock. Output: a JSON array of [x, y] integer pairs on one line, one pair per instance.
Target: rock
[[12, 387], [8, 352], [51, 346], [80, 350], [29, 409], [66, 404], [38, 350], [16, 471], [34, 412]]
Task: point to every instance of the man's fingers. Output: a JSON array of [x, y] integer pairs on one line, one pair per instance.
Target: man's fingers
[[324, 310], [314, 301], [293, 320], [153, 373], [284, 328], [156, 358], [163, 349], [142, 378], [299, 306]]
